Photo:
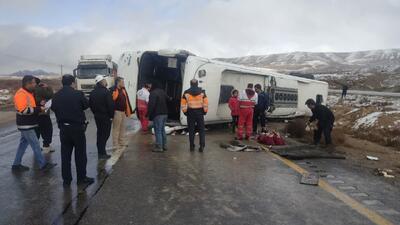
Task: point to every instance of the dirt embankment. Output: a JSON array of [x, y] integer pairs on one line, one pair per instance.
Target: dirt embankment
[[12, 85]]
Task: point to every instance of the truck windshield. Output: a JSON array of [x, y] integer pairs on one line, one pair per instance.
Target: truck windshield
[[91, 72]]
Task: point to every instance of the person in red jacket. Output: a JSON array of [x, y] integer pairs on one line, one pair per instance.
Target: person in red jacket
[[234, 106], [247, 101]]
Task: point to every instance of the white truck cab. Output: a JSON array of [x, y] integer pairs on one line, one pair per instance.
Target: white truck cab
[[89, 66]]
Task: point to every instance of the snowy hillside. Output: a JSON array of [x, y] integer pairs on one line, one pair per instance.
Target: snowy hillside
[[326, 62]]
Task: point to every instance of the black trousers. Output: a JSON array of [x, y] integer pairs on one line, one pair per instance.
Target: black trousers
[[235, 120], [195, 120], [258, 116], [103, 133], [73, 136], [45, 129], [326, 130]]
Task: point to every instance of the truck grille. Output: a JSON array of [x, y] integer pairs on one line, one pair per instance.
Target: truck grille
[[87, 86]]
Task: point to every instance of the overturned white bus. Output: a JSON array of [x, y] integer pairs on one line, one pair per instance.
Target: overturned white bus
[[175, 68]]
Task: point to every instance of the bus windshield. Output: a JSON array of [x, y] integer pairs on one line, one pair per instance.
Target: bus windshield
[[91, 72]]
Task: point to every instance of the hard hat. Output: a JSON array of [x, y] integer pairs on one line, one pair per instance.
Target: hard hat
[[99, 78]]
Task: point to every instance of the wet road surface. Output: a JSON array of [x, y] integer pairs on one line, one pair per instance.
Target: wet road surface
[[179, 187]]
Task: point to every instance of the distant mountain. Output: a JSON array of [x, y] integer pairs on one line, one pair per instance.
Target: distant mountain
[[37, 72], [387, 60]]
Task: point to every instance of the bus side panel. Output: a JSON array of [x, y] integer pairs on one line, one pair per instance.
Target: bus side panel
[[128, 69], [310, 90]]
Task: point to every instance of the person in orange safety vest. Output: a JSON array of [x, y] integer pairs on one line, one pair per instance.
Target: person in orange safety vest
[[27, 120], [194, 104]]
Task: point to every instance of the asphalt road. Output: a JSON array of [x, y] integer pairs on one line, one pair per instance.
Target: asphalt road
[[179, 187]]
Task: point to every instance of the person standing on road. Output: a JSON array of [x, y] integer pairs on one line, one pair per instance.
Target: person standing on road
[[142, 99], [260, 108], [27, 121], [247, 101], [102, 106], [43, 94], [194, 104], [69, 106], [123, 109], [325, 119], [234, 107], [344, 91], [158, 113]]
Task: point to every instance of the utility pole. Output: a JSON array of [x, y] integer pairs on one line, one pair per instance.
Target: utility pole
[[61, 66]]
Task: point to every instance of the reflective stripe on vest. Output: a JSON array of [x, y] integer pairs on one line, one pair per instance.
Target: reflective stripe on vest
[[195, 102]]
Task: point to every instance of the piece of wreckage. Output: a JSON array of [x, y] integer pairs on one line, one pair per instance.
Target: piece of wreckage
[[237, 146]]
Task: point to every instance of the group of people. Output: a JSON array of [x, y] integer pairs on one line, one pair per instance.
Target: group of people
[[152, 105], [33, 102], [248, 109]]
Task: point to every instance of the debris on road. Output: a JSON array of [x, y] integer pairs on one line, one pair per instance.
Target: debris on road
[[373, 158], [299, 152], [309, 179], [384, 173], [236, 146]]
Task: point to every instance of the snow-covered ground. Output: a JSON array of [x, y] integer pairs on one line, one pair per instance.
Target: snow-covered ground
[[375, 118]]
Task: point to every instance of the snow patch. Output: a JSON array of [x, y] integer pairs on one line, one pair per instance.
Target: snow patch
[[367, 121]]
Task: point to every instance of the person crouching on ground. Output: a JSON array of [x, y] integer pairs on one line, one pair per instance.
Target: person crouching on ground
[[247, 101], [325, 119], [158, 113], [234, 107], [102, 106], [123, 109], [27, 121], [142, 99]]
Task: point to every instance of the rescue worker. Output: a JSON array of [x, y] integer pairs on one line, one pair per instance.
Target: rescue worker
[[43, 94], [260, 108], [142, 99], [325, 119], [69, 106], [27, 120], [123, 109], [102, 106], [247, 101], [234, 107], [158, 113], [194, 104]]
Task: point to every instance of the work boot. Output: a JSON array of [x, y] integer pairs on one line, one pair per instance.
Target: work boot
[[104, 156], [86, 180], [19, 168], [48, 166], [157, 149]]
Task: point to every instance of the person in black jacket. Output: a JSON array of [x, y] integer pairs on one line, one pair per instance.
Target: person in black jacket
[[158, 113], [325, 119], [102, 106], [69, 106], [260, 108]]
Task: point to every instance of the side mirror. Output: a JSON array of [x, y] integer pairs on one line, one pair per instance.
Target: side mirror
[[75, 72]]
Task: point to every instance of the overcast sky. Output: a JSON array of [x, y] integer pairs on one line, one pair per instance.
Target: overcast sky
[[45, 33]]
